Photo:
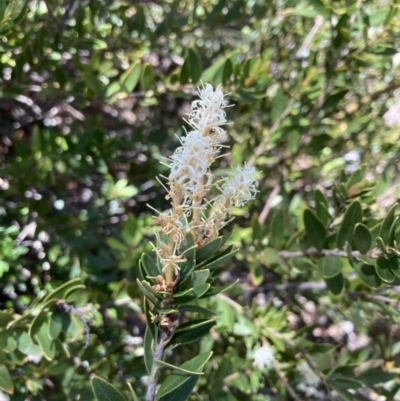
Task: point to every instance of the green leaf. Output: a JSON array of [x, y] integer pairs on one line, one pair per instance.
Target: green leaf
[[6, 383], [116, 245], [277, 231], [352, 216], [147, 77], [27, 346], [227, 72], [196, 308], [381, 245], [177, 379], [55, 325], [218, 290], [191, 331], [163, 364], [37, 323], [150, 325], [94, 84], [148, 349], [191, 69], [201, 289], [335, 284], [362, 238], [59, 292], [47, 345], [200, 277], [394, 265], [183, 392], [383, 270], [131, 76], [208, 249], [219, 260], [132, 392], [332, 266], [368, 275], [150, 266], [387, 223], [104, 391], [314, 229], [2, 9], [320, 8]]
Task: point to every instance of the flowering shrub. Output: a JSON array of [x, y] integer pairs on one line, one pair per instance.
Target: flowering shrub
[[276, 286]]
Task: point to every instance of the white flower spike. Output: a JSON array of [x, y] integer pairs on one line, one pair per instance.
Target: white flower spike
[[190, 181]]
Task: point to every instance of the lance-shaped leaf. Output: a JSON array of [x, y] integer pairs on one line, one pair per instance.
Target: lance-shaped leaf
[[217, 290], [178, 378], [219, 259], [352, 216], [191, 331], [150, 266], [130, 77], [314, 229], [191, 69], [104, 391], [207, 250], [148, 349], [183, 392]]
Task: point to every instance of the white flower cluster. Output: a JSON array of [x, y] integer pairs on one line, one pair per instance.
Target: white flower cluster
[[190, 180], [264, 357]]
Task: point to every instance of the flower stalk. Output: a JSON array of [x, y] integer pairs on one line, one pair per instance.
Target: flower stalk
[[194, 212]]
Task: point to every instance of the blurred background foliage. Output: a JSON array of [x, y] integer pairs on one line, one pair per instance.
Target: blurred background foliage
[[91, 95]]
